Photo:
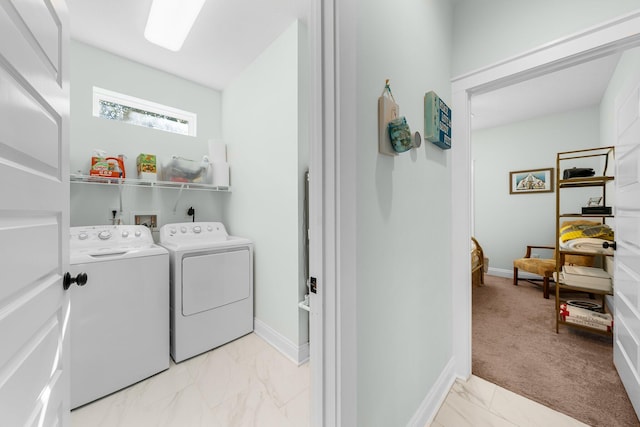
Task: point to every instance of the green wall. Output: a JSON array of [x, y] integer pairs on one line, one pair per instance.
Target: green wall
[[404, 307], [268, 152], [488, 31]]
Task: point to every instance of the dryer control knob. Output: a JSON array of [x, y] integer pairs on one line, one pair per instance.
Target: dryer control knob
[[104, 235], [183, 229], [125, 234], [138, 233], [197, 229], [83, 236]]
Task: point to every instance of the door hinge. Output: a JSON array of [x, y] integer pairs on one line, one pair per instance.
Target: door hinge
[[313, 286]]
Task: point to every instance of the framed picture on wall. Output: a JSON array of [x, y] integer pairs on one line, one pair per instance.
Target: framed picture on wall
[[531, 181]]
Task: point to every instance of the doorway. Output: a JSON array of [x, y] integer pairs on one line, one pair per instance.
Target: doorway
[[605, 40], [311, 79]]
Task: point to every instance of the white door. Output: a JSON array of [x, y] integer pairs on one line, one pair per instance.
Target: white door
[[34, 212], [626, 350]]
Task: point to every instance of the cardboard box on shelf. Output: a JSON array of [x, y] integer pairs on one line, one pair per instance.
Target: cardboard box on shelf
[[147, 166], [106, 167]]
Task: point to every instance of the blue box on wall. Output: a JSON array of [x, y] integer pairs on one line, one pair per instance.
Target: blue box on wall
[[437, 121]]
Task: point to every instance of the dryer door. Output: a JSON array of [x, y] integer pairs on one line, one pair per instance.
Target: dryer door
[[214, 279]]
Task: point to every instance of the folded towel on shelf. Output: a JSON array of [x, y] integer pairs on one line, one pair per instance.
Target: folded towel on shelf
[[587, 244]]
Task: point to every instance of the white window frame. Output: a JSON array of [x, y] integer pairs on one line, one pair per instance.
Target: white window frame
[[100, 94]]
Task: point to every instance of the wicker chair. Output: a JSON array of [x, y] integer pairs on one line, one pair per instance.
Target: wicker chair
[[545, 267], [478, 263]]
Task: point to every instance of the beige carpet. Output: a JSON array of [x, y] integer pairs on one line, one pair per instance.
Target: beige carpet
[[515, 346]]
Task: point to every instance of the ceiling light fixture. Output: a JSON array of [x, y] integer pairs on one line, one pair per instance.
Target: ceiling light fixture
[[170, 21]]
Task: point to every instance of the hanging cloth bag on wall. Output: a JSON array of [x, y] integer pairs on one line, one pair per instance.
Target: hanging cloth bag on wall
[[397, 128]]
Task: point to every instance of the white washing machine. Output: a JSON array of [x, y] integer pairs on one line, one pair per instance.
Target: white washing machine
[[119, 321], [211, 280]]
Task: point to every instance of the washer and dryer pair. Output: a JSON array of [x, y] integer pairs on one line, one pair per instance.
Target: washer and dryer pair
[[143, 302]]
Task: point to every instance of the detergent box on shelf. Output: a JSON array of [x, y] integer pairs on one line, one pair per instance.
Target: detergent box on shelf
[[106, 167], [146, 165]]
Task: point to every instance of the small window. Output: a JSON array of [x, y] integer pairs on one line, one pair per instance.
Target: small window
[[140, 112]]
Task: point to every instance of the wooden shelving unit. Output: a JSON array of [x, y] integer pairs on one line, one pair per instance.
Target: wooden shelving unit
[[565, 160]]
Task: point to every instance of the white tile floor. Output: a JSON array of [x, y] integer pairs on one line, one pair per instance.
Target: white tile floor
[[249, 383], [479, 403], [244, 383]]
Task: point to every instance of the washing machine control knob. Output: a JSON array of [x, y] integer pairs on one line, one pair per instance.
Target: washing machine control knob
[[125, 234], [183, 229], [138, 233], [209, 228], [197, 229], [104, 235], [83, 236]]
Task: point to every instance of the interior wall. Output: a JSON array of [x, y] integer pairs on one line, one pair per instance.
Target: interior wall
[[267, 149], [92, 204], [506, 223], [488, 31], [403, 209]]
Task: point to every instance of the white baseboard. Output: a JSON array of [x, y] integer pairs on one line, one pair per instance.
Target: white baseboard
[[502, 272], [435, 398], [299, 354]]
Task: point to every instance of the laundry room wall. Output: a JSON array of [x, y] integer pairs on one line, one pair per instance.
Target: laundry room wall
[[91, 203], [264, 127], [403, 209], [489, 31], [506, 223]]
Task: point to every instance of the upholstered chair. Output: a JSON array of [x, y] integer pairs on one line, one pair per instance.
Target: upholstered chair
[[545, 267]]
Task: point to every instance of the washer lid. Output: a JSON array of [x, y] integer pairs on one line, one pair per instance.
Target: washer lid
[[90, 255]]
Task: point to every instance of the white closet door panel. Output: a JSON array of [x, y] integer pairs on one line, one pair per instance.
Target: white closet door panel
[[42, 28], [16, 318], [626, 317], [627, 231], [29, 127], [626, 282], [34, 213], [23, 263]]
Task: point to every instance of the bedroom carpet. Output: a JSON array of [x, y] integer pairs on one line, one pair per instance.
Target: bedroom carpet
[[516, 347]]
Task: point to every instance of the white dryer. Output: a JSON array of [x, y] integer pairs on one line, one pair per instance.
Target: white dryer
[[211, 280], [119, 321]]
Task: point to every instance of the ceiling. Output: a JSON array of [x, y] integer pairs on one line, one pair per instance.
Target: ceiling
[[230, 34], [576, 87], [227, 36]]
